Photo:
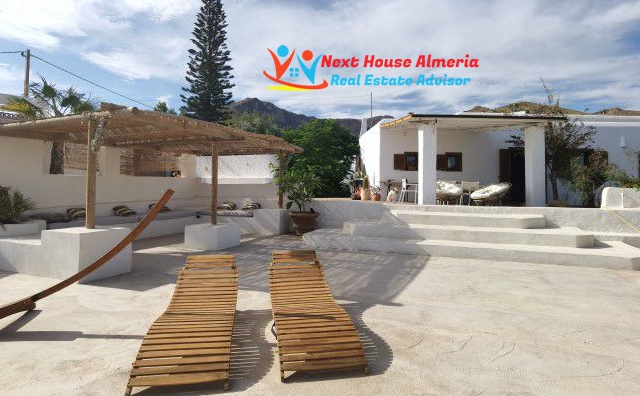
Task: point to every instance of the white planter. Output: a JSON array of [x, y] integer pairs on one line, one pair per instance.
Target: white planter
[[212, 237], [62, 253], [30, 227]]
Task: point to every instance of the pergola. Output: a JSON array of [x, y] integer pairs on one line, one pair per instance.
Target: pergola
[[429, 125], [121, 127]]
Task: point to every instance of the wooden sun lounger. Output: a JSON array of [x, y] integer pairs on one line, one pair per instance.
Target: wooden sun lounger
[[314, 333], [190, 342]]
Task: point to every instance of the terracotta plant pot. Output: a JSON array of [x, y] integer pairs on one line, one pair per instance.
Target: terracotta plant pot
[[303, 221], [365, 194], [376, 197]]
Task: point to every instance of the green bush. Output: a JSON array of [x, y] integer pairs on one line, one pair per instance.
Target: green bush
[[300, 187], [13, 203], [329, 152], [585, 179]]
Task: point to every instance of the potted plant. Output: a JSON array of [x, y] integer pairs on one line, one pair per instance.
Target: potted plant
[[13, 203], [300, 186], [375, 193], [356, 195], [365, 194]]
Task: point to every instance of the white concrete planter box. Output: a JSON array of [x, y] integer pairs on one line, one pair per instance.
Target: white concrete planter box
[[30, 227], [212, 236], [62, 253], [620, 198]]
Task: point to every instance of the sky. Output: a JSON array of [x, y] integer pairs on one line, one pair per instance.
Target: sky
[[588, 51]]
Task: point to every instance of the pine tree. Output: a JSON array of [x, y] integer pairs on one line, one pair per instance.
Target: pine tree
[[208, 95]]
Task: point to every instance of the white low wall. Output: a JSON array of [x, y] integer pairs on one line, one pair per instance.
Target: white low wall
[[334, 212], [61, 253], [30, 227]]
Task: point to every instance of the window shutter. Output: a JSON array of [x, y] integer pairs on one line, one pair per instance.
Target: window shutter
[[441, 162], [399, 162]]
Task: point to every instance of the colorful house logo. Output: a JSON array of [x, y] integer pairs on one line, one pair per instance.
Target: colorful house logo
[[295, 81]]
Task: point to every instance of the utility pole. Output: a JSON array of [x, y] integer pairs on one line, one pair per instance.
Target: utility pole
[[27, 65]]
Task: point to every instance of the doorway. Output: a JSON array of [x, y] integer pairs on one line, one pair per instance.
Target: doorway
[[512, 171]]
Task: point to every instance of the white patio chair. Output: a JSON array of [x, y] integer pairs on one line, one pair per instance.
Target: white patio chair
[[408, 188]]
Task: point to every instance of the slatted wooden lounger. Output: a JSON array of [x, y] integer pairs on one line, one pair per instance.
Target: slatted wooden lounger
[[190, 342], [314, 333]]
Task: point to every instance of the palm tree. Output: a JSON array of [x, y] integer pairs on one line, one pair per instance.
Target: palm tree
[[51, 102]]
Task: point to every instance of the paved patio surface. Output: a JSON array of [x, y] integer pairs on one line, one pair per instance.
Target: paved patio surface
[[431, 326]]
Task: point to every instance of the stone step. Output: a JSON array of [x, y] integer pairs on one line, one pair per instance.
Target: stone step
[[569, 236], [470, 219], [614, 255]]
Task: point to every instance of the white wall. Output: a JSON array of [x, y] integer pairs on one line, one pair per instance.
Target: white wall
[[370, 153], [233, 167], [480, 153], [22, 165]]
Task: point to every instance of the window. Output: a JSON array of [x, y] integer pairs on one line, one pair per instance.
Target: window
[[590, 155], [407, 161], [411, 161], [449, 162]]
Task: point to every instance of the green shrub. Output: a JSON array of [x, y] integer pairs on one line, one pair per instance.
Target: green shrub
[[13, 203], [585, 179]]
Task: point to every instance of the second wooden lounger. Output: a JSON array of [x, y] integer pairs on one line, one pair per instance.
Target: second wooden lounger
[[314, 333], [190, 342]]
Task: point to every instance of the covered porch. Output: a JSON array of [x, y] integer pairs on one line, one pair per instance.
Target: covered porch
[[454, 128]]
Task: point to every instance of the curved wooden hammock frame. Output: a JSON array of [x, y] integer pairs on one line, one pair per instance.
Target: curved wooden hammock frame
[[29, 303]]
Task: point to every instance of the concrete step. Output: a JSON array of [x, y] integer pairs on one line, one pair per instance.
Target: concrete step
[[569, 236], [614, 255], [470, 219]]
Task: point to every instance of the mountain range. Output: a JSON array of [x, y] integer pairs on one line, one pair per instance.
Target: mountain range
[[287, 119]]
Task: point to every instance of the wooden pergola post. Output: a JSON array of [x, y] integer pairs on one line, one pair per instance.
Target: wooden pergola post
[[90, 219], [282, 163], [214, 183]]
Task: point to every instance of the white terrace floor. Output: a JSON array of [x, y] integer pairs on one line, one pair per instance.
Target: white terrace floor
[[432, 326]]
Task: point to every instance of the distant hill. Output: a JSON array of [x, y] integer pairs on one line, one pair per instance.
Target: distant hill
[[286, 119], [537, 108]]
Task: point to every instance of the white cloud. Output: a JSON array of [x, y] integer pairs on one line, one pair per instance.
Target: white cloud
[[582, 48]]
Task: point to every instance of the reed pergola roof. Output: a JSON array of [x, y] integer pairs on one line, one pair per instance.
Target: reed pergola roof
[[149, 130]]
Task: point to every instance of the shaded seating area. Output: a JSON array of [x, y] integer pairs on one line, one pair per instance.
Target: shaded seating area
[[314, 333], [190, 342]]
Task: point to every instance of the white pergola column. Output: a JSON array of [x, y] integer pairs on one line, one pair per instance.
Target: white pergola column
[[427, 156], [534, 166]]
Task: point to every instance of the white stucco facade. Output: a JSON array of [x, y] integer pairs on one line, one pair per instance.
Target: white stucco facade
[[618, 135]]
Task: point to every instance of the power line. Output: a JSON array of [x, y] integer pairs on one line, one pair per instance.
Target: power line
[[89, 81], [11, 52]]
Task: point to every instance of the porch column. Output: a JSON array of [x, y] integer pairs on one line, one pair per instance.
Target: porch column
[[90, 202], [214, 183], [427, 153], [282, 163], [534, 166]]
